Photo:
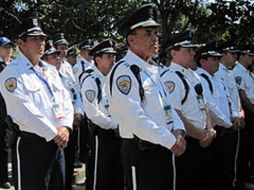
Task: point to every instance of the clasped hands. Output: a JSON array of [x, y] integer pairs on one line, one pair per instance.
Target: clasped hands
[[62, 137]]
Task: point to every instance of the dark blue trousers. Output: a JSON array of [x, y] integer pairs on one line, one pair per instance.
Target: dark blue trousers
[[147, 168], [108, 172], [38, 164], [3, 154]]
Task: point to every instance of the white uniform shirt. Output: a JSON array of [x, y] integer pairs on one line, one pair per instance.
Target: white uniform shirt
[[66, 69], [70, 85], [252, 75], [151, 120], [67, 76], [244, 81], [97, 110], [216, 99], [81, 65], [29, 101], [192, 108], [227, 76]]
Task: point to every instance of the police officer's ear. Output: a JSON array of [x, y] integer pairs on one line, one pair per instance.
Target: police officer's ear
[[97, 59], [173, 52], [20, 42], [130, 39], [202, 61]]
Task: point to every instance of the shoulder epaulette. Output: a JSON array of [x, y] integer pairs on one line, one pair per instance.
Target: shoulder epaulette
[[83, 65], [136, 71], [88, 72], [208, 81], [163, 73], [186, 86]]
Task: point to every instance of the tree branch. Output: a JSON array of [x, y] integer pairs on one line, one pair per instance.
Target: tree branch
[[10, 14]]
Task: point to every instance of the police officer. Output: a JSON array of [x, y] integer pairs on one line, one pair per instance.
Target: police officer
[[40, 105], [245, 85], [108, 173], [227, 62], [52, 56], [186, 93], [6, 51], [225, 147], [208, 62], [61, 44], [85, 61], [151, 130], [72, 56]]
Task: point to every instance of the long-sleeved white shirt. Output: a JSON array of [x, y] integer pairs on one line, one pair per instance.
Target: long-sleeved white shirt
[[29, 101], [152, 119]]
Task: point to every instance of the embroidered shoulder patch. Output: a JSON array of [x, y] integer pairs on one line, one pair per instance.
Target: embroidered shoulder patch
[[170, 86], [238, 80], [90, 95], [124, 84], [11, 84]]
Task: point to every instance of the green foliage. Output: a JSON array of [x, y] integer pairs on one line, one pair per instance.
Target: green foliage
[[81, 19]]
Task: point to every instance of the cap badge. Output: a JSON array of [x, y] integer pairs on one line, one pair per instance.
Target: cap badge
[[35, 22]]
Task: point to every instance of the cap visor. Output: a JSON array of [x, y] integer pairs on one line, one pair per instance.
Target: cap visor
[[109, 51], [36, 34], [190, 46]]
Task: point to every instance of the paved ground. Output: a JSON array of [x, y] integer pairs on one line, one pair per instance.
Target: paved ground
[[79, 178]]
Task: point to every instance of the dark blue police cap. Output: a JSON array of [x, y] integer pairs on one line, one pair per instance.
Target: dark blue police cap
[[227, 46], [87, 45], [49, 49], [30, 27], [71, 52], [60, 39], [231, 49], [179, 39], [145, 16], [5, 41], [247, 50], [208, 50], [106, 46], [121, 47]]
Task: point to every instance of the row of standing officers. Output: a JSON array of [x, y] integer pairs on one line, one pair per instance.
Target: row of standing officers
[[176, 126]]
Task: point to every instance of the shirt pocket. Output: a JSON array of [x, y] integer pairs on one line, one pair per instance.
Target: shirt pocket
[[34, 91], [153, 98]]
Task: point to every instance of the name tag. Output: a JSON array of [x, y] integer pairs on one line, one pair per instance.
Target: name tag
[[168, 114], [58, 110], [201, 103]]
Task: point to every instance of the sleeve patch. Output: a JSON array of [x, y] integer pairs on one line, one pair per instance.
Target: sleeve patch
[[238, 80], [170, 86], [124, 84], [90, 95], [11, 84]]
